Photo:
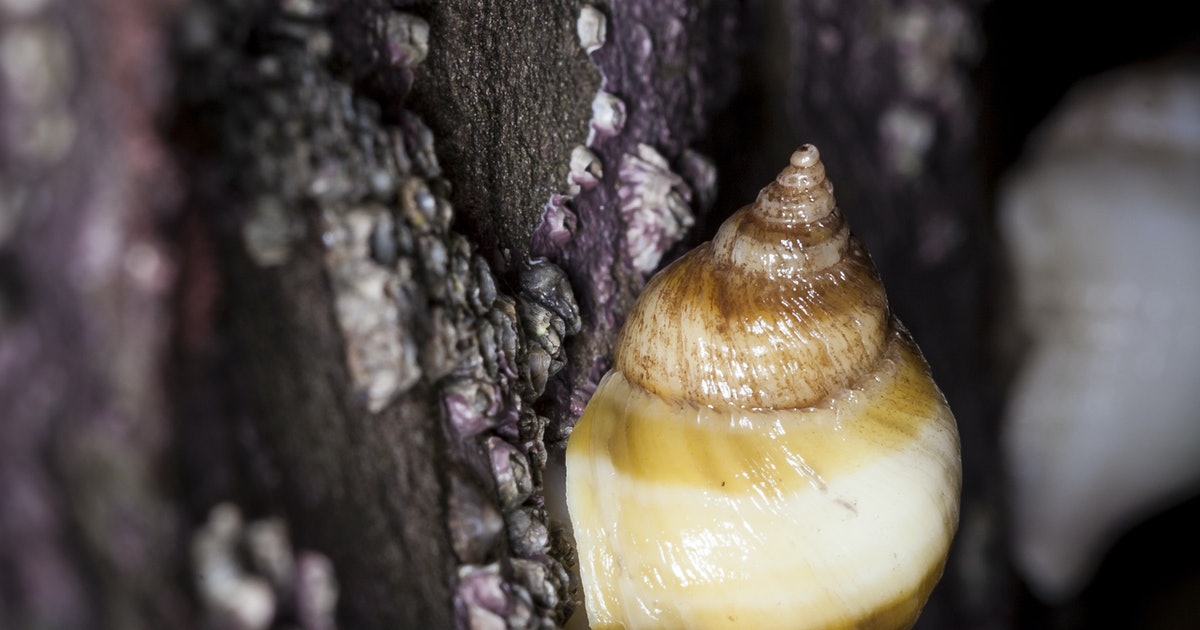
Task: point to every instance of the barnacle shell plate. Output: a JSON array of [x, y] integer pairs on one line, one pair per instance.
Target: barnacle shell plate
[[769, 451]]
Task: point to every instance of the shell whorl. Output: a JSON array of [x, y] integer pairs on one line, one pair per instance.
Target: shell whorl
[[793, 227], [781, 310], [800, 194]]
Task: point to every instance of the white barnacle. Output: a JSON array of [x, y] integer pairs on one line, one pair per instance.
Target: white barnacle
[[380, 354], [268, 232], [608, 116], [592, 28], [586, 170], [654, 205], [907, 133], [407, 39]]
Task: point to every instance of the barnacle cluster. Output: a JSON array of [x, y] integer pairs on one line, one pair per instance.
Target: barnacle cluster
[[248, 577], [656, 182], [655, 206], [357, 183]]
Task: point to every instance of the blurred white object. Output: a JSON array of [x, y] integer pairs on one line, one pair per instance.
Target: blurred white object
[[1101, 224]]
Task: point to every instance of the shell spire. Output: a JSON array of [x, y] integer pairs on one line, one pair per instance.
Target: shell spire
[[800, 194], [792, 228]]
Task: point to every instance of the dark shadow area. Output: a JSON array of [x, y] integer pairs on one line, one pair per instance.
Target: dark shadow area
[[1035, 52]]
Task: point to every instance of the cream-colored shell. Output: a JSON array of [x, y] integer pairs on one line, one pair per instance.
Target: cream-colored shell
[[769, 450]]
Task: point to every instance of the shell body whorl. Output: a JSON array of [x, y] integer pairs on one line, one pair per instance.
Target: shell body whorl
[[769, 449]]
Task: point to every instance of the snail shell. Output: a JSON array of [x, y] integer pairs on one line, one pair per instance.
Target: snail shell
[[769, 450], [1100, 223]]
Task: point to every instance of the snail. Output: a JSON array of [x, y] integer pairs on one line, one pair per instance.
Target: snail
[[1100, 223], [769, 449]]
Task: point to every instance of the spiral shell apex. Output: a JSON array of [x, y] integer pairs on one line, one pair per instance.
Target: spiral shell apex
[[769, 449]]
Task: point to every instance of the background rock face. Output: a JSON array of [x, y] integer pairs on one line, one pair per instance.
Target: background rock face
[[88, 531], [355, 266]]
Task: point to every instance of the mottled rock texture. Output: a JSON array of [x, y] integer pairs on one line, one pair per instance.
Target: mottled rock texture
[[88, 532], [364, 266]]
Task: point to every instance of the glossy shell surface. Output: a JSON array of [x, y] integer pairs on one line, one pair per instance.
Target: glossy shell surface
[[769, 449]]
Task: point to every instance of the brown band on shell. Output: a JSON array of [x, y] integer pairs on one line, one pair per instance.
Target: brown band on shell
[[717, 336], [724, 452]]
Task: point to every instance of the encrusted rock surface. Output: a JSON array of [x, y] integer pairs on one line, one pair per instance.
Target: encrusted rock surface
[[645, 117], [381, 350], [410, 232]]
